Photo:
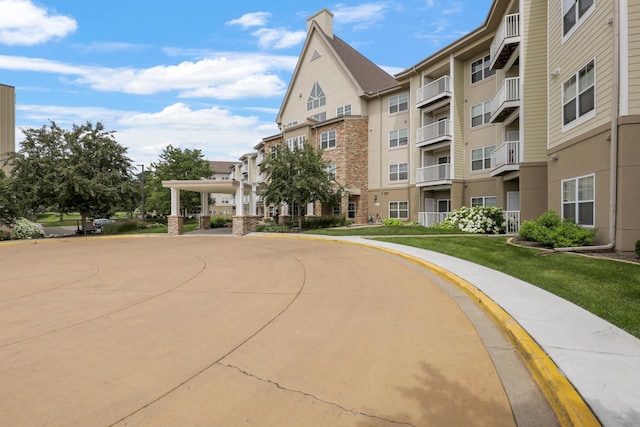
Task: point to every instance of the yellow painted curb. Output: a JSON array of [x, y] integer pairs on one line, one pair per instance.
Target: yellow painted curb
[[568, 405]]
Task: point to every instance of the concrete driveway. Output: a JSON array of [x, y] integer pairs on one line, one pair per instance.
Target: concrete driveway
[[228, 331]]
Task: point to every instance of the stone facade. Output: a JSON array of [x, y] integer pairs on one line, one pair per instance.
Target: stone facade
[[175, 225], [204, 222], [245, 224]]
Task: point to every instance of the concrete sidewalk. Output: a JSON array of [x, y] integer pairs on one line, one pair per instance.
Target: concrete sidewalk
[[600, 360]]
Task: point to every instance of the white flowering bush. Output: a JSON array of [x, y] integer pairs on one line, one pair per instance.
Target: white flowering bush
[[25, 229], [478, 219]]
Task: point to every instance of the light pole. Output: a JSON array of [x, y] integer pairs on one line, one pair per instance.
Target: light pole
[[142, 179]]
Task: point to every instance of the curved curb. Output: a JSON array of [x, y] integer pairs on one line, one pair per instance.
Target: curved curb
[[566, 402]]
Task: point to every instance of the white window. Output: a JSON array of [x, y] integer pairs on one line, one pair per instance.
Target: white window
[[574, 12], [344, 110], [398, 138], [481, 158], [399, 210], [484, 201], [578, 200], [296, 141], [481, 69], [399, 103], [316, 97], [579, 95], [398, 172], [331, 171], [328, 139], [352, 210], [321, 117], [480, 114]]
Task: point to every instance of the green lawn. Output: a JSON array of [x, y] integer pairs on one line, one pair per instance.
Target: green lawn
[[607, 288], [52, 219], [381, 230]]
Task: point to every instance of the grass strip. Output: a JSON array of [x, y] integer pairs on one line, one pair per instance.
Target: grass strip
[[607, 288]]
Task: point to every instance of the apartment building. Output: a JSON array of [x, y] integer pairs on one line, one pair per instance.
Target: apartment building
[[328, 104], [7, 123], [534, 110], [594, 117], [221, 204]]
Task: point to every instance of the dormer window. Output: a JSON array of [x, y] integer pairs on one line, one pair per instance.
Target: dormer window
[[316, 98]]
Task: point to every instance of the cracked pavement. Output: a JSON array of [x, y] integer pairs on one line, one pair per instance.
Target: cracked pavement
[[226, 331]]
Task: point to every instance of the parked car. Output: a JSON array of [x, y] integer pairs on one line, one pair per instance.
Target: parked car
[[99, 222]]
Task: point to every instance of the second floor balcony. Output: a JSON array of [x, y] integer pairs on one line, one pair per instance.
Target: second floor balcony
[[506, 40], [506, 100], [430, 94], [434, 175], [505, 158], [434, 132]]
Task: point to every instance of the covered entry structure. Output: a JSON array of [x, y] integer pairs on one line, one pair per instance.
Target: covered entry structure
[[243, 222]]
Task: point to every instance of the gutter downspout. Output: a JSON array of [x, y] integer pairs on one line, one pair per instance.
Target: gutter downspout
[[613, 173]]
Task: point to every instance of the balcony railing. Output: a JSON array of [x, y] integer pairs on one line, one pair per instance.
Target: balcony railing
[[434, 91], [512, 220], [505, 41], [507, 153], [432, 174], [435, 132], [429, 218], [506, 99]]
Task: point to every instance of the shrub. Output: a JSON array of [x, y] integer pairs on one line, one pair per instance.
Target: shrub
[[324, 222], [551, 231], [392, 222], [478, 219], [4, 235], [638, 248], [274, 228], [219, 221], [25, 229], [120, 227]]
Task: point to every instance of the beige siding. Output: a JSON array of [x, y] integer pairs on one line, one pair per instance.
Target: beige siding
[[337, 86], [7, 122], [376, 111], [634, 57], [533, 67], [414, 120], [591, 39], [458, 117], [479, 136]]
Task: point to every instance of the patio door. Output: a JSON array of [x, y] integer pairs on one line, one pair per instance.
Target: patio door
[[513, 200]]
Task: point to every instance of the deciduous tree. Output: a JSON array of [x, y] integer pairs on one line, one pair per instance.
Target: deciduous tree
[[175, 163], [298, 175]]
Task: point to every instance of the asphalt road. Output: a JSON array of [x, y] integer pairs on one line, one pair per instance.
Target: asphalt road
[[228, 331]]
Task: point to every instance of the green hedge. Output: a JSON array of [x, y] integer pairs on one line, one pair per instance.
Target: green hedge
[[551, 231]]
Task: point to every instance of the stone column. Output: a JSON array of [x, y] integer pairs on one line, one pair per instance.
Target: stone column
[[205, 218], [175, 225]]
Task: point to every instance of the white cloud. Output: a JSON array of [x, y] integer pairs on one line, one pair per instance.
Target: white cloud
[[217, 132], [278, 38], [456, 7], [255, 19], [363, 15], [211, 77], [23, 23]]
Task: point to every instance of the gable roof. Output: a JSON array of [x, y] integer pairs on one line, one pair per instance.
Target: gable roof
[[221, 167], [367, 76]]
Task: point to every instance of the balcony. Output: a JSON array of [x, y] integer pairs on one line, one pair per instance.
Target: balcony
[[505, 158], [435, 132], [428, 96], [506, 100], [427, 219], [506, 40], [434, 175], [260, 158]]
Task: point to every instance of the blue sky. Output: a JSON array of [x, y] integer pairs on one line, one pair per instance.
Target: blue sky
[[194, 73]]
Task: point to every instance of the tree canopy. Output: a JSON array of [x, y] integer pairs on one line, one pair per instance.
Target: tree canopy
[[175, 163], [298, 175], [8, 208], [82, 170]]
